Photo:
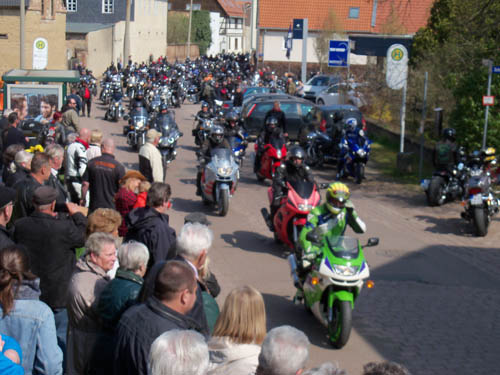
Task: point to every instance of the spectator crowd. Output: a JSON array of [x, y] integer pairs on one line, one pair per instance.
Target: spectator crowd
[[94, 280]]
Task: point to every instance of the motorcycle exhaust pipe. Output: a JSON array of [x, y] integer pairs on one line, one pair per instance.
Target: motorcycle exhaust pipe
[[292, 262]]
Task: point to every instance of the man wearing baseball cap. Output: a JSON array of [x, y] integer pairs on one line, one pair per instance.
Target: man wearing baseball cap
[[7, 197], [150, 160]]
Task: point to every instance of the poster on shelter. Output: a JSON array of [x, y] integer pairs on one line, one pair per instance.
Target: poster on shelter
[[36, 102]]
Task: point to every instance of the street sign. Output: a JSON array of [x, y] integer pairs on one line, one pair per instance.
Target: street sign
[[496, 69], [40, 53], [397, 66], [298, 28], [488, 100], [338, 53]]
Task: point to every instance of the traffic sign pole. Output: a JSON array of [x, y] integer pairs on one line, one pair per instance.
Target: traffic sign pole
[[304, 51], [485, 130]]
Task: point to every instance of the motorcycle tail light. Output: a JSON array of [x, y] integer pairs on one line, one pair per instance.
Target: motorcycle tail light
[[363, 122], [322, 126], [475, 190]]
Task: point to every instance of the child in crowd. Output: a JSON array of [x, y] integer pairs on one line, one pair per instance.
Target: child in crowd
[[143, 194]]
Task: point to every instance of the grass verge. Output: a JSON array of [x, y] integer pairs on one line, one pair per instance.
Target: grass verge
[[384, 156]]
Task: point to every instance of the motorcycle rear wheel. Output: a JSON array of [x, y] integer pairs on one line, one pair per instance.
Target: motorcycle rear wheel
[[314, 158], [480, 220], [435, 192], [223, 203], [339, 328]]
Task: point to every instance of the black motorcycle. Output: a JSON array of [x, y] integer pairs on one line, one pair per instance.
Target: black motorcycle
[[170, 134], [320, 148], [480, 204], [136, 130]]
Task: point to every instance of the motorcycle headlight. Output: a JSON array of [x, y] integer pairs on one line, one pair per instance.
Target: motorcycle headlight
[[345, 270], [224, 171], [117, 104], [171, 140], [361, 152], [305, 207], [139, 124]]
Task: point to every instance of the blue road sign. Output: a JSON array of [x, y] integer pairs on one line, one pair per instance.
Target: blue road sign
[[496, 69], [298, 28], [338, 53]]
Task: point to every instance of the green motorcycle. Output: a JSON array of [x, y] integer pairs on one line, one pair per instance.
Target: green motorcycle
[[333, 282]]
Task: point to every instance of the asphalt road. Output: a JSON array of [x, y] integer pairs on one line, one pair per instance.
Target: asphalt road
[[436, 294]]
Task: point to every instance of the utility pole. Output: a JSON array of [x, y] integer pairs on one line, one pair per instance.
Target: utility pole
[[189, 30], [126, 39], [166, 33], [489, 64], [22, 10]]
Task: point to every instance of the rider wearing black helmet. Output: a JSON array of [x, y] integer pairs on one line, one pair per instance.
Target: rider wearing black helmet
[[293, 170], [204, 112], [445, 152], [139, 100], [270, 130], [215, 140], [232, 128]]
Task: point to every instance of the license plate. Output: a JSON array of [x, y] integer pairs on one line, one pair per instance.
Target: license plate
[[476, 200]]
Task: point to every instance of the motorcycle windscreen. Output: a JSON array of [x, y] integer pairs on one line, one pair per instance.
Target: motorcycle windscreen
[[303, 189], [139, 111], [220, 154], [342, 246], [277, 142]]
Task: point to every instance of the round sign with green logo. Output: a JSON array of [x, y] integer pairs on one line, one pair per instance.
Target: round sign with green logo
[[397, 54], [40, 44]]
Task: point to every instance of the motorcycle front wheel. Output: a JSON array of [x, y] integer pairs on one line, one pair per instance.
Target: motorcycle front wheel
[[223, 202], [339, 323], [480, 220], [314, 157], [360, 172]]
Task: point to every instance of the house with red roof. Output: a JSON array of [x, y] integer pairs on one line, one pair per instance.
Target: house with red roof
[[370, 18]]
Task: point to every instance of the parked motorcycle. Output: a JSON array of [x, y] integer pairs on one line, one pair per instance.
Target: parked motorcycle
[[445, 185], [291, 217], [273, 156], [138, 125], [481, 204], [333, 282], [355, 152], [320, 149], [170, 134], [219, 179]]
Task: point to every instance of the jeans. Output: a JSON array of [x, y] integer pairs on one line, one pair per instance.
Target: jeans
[[61, 319]]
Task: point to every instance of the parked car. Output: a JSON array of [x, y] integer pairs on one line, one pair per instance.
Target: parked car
[[317, 84], [296, 110], [342, 93]]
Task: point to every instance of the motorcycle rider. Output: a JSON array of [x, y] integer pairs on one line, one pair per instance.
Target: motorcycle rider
[[277, 113], [139, 100], [271, 130], [330, 218], [351, 128], [232, 129], [294, 169], [215, 140], [445, 152]]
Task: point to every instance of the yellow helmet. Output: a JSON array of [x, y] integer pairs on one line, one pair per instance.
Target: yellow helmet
[[336, 196], [489, 155]]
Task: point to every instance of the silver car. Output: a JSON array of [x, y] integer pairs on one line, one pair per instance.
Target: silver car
[[317, 84], [342, 93]]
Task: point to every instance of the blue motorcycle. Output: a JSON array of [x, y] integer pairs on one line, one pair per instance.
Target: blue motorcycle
[[239, 146], [354, 154]]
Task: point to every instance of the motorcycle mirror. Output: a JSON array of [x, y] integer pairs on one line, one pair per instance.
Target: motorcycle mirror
[[312, 237], [372, 241]]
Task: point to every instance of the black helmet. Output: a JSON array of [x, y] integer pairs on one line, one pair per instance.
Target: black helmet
[[295, 154], [217, 134], [163, 107], [271, 123], [231, 117], [449, 134]]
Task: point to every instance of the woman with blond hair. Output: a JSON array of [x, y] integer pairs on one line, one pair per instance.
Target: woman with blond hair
[[238, 333]]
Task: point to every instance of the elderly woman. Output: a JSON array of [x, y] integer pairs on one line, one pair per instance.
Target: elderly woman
[[24, 317], [123, 291], [126, 197], [104, 220], [239, 331], [86, 286]]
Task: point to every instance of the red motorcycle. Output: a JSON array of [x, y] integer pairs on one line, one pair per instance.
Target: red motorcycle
[[274, 154], [291, 217]]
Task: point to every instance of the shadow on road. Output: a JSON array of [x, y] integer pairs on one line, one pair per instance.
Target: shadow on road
[[456, 226], [189, 148], [285, 312], [190, 205], [254, 242], [438, 302]]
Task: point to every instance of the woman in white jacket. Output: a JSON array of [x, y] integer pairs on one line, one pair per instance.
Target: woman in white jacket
[[238, 333]]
